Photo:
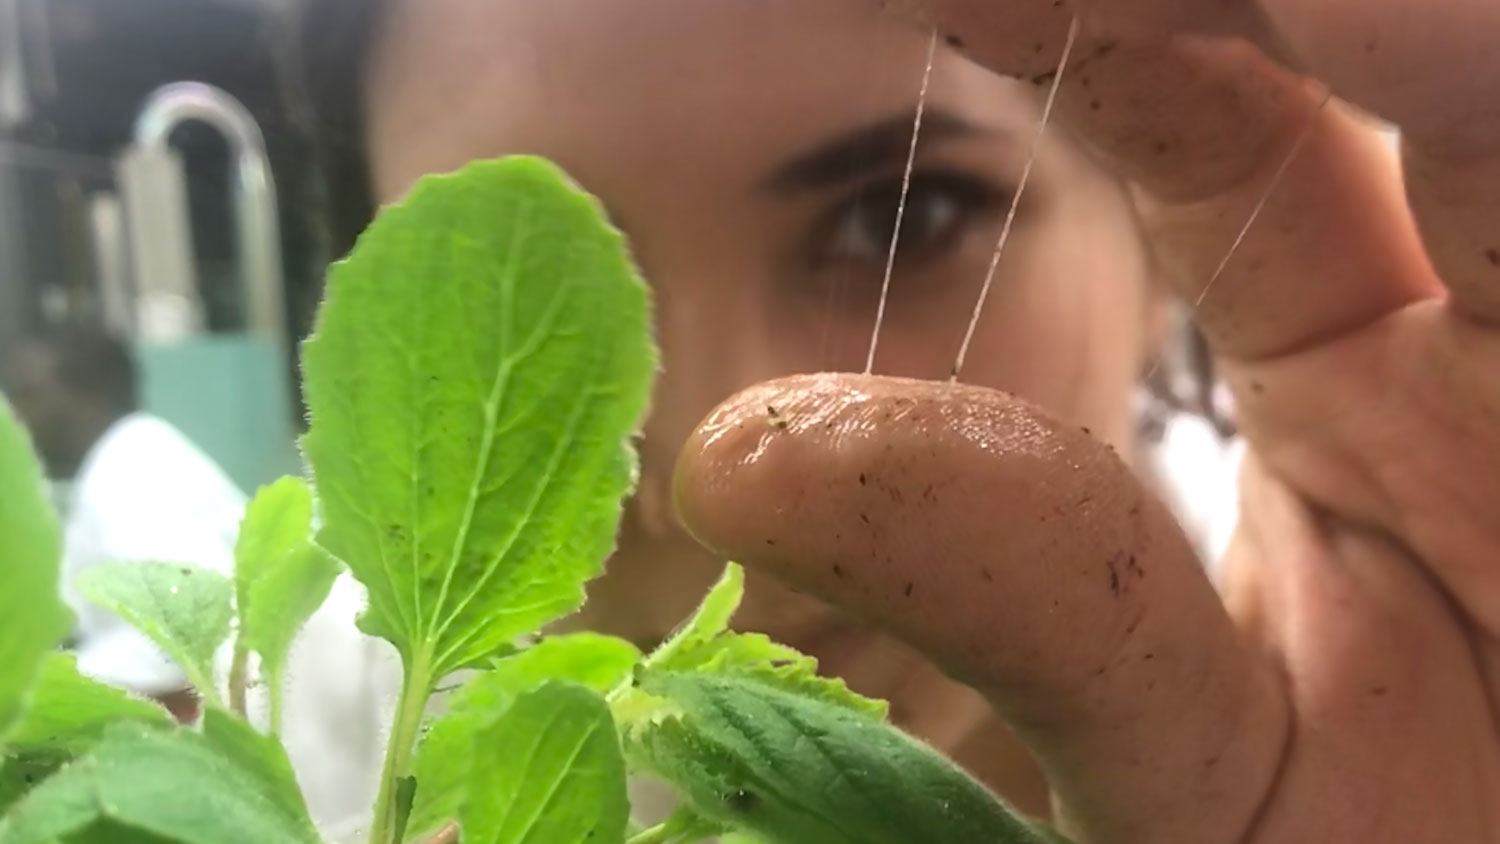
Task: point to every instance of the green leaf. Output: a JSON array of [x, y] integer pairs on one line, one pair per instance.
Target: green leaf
[[184, 609], [706, 644], [69, 711], [446, 754], [480, 364], [710, 619], [280, 576], [796, 770], [548, 771], [259, 755], [32, 617], [141, 784]]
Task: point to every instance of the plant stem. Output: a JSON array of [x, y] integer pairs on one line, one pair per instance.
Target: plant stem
[[409, 711], [238, 677], [677, 829], [274, 691], [662, 833], [447, 835]]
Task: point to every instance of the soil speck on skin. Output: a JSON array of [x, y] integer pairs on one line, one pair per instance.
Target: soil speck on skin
[[1493, 256], [1114, 577], [838, 571], [1160, 147], [771, 542], [985, 573], [955, 42], [1257, 387], [1378, 691], [862, 480], [909, 587], [864, 518], [1148, 657], [1095, 105]]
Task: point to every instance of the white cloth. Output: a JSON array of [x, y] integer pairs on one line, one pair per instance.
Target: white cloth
[[144, 492], [1198, 472]]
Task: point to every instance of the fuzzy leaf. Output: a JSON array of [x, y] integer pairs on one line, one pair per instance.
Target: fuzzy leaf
[[548, 771], [796, 770], [710, 619], [446, 754], [140, 784], [184, 609], [471, 409], [33, 619], [256, 754], [280, 576], [706, 644], [70, 711]]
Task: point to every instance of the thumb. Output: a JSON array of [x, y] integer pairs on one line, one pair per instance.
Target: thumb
[[1024, 558]]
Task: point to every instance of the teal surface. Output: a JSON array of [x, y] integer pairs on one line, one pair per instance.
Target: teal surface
[[228, 394]]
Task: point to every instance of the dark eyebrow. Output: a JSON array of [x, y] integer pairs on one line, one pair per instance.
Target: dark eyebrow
[[877, 146]]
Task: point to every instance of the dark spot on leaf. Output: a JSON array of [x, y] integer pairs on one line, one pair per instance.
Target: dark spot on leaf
[[741, 801]]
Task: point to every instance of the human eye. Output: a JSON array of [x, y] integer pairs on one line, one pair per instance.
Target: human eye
[[942, 206]]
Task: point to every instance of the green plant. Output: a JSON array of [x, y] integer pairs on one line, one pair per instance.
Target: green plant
[[480, 365]]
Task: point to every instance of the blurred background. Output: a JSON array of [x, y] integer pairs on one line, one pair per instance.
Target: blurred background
[[150, 181]]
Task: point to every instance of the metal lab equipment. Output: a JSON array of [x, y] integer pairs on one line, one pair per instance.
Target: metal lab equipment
[[227, 391]]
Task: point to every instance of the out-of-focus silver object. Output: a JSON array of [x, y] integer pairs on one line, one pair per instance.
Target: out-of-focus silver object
[[153, 189]]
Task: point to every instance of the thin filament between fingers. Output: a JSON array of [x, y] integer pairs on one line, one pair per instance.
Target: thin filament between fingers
[[1015, 203], [911, 162], [1255, 213]]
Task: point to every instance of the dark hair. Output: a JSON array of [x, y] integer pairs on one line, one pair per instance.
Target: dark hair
[[93, 363], [333, 42]]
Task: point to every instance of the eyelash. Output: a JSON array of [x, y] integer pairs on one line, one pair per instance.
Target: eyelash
[[858, 230]]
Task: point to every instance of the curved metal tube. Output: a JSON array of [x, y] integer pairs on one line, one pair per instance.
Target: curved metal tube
[[254, 191]]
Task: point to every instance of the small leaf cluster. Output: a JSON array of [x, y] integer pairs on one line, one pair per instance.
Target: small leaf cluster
[[481, 364]]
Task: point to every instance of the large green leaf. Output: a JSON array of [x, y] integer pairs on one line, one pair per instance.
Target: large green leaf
[[280, 577], [32, 617], [446, 755], [184, 609], [480, 363], [548, 771], [797, 770], [142, 784]]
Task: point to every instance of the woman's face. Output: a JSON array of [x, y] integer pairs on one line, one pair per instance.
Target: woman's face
[[753, 152]]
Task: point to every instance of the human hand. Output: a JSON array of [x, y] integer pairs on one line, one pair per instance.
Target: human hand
[[1344, 688]]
